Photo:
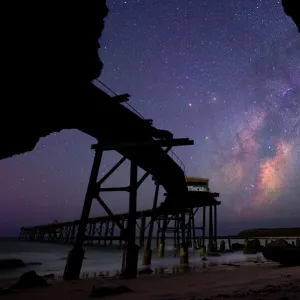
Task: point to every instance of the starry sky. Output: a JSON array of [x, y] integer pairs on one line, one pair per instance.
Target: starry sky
[[225, 75]]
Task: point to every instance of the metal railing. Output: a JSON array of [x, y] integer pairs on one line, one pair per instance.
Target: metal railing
[[172, 154], [177, 160]]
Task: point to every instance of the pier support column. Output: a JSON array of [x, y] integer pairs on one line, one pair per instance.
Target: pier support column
[[215, 228], [229, 244], [76, 255], [204, 228], [183, 254], [130, 268], [194, 240], [210, 247], [142, 231], [148, 251], [162, 245]]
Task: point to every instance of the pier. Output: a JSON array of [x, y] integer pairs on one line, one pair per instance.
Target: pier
[[192, 225], [150, 226], [151, 150]]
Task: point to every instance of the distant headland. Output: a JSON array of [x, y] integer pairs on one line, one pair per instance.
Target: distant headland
[[270, 232]]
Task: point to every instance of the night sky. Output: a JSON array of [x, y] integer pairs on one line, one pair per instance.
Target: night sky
[[225, 75]]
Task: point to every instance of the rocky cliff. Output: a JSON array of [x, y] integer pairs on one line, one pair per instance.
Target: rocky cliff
[[49, 57], [292, 9]]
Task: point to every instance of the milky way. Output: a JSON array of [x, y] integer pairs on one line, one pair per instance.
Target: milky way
[[226, 75], [263, 159]]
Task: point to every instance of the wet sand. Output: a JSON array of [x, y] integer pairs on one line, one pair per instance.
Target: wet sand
[[245, 281]]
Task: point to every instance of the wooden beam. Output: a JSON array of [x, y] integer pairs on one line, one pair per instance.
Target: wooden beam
[[111, 145]]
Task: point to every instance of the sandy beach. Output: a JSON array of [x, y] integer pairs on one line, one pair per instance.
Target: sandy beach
[[247, 281]]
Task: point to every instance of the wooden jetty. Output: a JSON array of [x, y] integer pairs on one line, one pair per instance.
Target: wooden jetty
[[154, 225], [104, 230], [149, 149]]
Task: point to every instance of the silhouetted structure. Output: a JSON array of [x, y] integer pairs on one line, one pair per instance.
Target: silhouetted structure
[[108, 230], [49, 56], [48, 88], [153, 224], [292, 9]]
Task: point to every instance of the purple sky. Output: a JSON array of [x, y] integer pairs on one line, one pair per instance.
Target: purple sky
[[226, 75]]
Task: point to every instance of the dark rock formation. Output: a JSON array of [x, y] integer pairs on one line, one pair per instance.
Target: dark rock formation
[[146, 271], [292, 9], [11, 263], [283, 252], [252, 247], [49, 57], [237, 247], [28, 280]]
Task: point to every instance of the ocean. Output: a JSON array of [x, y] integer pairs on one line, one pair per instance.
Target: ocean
[[52, 258]]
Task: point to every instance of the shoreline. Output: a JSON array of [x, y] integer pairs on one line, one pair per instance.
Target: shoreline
[[93, 264], [163, 269], [245, 280]]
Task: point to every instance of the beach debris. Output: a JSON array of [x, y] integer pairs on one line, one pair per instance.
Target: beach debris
[[109, 291], [222, 246], [231, 265], [33, 264], [252, 246], [146, 271], [237, 247], [11, 263], [14, 263], [28, 280], [49, 276]]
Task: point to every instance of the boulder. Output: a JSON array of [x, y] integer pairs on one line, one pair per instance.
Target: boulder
[[292, 9], [252, 246], [28, 280], [12, 263], [237, 247], [60, 44], [146, 271], [283, 252]]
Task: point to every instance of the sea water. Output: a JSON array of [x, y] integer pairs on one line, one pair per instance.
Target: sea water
[[53, 257]]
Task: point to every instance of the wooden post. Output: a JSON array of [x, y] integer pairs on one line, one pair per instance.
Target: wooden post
[[175, 234], [162, 245], [106, 232], [76, 255], [178, 230], [204, 226], [142, 231], [130, 270], [100, 231], [112, 232], [215, 225], [90, 241], [229, 244], [158, 232], [210, 229], [193, 228], [184, 255], [148, 251], [121, 237]]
